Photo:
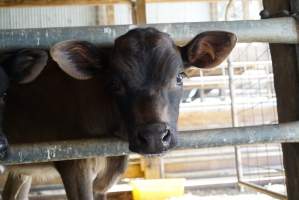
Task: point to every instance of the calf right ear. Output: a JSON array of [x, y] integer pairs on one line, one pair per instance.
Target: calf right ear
[[24, 65], [79, 59]]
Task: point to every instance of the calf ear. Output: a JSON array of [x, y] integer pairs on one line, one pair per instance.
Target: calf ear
[[25, 65], [208, 49], [79, 59]]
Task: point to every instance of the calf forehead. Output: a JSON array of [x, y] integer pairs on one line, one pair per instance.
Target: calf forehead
[[144, 56]]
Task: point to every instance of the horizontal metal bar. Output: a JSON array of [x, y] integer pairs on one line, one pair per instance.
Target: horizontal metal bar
[[260, 189], [276, 30], [43, 152]]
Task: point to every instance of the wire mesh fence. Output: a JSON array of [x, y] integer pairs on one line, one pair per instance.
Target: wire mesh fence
[[209, 106]]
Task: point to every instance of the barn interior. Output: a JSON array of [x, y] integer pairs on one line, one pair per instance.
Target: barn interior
[[256, 86]]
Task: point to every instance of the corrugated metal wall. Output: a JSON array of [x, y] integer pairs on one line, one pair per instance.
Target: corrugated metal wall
[[11, 18], [178, 12], [166, 12], [90, 15], [123, 14]]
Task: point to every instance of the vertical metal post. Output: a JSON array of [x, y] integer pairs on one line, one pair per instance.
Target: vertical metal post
[[231, 73], [238, 158], [239, 168], [222, 90], [232, 98], [232, 92], [202, 90], [229, 6], [290, 150]]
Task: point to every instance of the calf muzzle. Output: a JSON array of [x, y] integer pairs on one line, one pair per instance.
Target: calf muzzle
[[153, 138]]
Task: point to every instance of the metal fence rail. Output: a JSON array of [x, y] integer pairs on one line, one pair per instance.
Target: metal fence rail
[[276, 30], [43, 152]]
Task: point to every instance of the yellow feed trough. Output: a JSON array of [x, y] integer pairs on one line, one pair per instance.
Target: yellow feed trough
[[157, 189]]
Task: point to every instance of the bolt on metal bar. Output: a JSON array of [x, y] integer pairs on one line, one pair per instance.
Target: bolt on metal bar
[[64, 150], [275, 30]]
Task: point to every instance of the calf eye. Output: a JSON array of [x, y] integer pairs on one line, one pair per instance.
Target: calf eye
[[179, 79]]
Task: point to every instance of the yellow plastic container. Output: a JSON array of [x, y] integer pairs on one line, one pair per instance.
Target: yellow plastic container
[[157, 189]]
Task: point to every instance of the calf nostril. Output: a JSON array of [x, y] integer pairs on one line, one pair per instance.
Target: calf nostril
[[166, 137]]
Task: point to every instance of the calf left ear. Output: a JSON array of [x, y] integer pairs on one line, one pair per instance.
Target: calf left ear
[[25, 65], [208, 49]]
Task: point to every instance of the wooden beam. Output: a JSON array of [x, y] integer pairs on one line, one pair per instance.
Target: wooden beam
[[181, 1], [286, 81], [105, 15], [134, 171], [33, 3], [21, 3], [153, 167], [139, 12], [110, 14], [126, 195], [38, 3]]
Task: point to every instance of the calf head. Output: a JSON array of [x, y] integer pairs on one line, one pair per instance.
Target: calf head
[[145, 76], [21, 66]]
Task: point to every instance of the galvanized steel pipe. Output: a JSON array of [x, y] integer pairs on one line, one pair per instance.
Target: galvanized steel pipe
[[43, 152], [275, 30]]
